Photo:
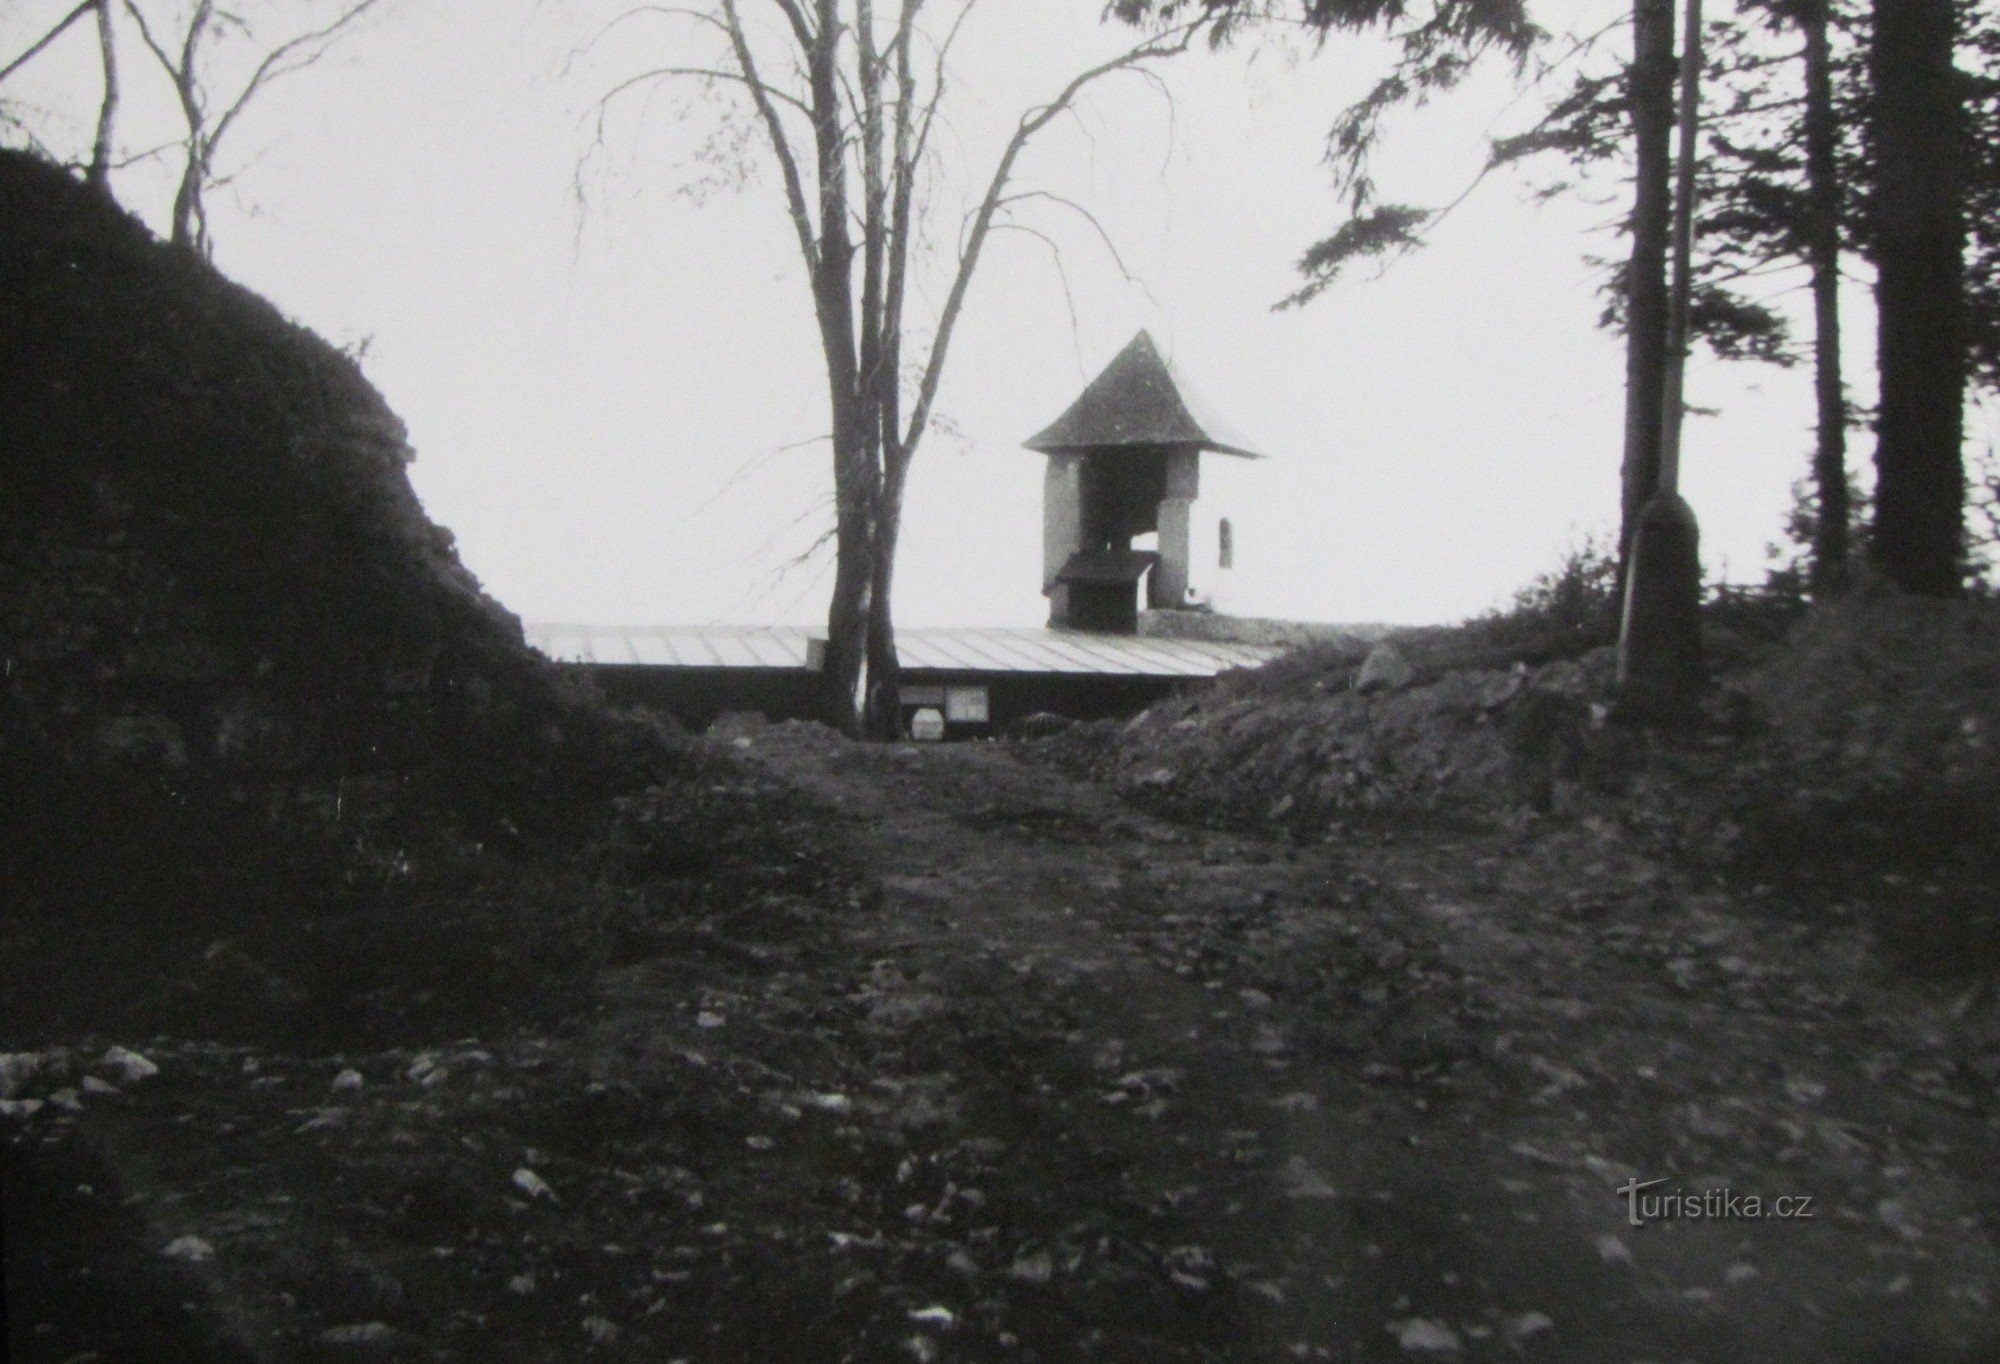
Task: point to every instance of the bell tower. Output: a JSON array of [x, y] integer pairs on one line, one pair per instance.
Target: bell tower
[[1123, 462]]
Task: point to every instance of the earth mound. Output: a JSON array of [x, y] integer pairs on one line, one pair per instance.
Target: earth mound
[[274, 762]]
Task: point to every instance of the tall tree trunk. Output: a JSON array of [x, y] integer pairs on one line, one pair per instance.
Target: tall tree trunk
[[847, 614], [187, 202], [99, 175], [854, 505], [1650, 98], [884, 708], [190, 223], [1659, 642], [1831, 547], [856, 458], [1920, 297]]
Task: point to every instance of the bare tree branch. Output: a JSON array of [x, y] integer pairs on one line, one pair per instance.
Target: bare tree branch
[[860, 224], [302, 52], [641, 12], [704, 73], [1173, 41], [205, 132], [781, 147], [11, 67], [99, 174], [1062, 276], [1063, 201], [146, 32]]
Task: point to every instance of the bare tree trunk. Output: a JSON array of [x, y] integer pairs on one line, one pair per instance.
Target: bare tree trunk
[[1920, 298], [187, 205], [852, 601], [98, 177], [861, 340], [884, 708], [1650, 93], [848, 611], [854, 453], [1659, 642], [190, 223], [1831, 547]]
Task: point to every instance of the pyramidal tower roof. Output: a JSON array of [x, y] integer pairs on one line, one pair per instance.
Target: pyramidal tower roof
[[1137, 400]]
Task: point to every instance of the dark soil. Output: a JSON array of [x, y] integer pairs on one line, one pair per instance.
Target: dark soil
[[1060, 1080]]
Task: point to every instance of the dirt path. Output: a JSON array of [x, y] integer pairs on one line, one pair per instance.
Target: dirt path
[[1055, 1079], [1382, 1097]]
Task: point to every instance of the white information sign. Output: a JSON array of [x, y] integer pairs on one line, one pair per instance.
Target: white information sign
[[965, 705]]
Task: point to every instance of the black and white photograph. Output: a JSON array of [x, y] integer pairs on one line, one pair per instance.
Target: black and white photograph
[[933, 681]]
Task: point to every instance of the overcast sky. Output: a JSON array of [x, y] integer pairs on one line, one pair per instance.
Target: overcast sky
[[611, 406]]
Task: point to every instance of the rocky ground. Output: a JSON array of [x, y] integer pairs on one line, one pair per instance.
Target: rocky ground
[[1033, 1074]]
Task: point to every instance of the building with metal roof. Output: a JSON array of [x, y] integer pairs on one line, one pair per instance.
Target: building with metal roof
[[976, 679], [1120, 521]]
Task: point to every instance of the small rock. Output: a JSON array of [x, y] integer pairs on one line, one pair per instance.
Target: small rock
[[1895, 1215], [1385, 669], [1421, 1335], [1038, 1267], [191, 1249], [1302, 1181], [602, 1330], [128, 1066], [934, 1316], [1613, 1251], [1192, 1267], [93, 1085], [19, 1108], [533, 1185], [1528, 1324], [16, 1069], [66, 1098], [360, 1335], [831, 1103], [348, 1079], [707, 1019], [521, 1285]]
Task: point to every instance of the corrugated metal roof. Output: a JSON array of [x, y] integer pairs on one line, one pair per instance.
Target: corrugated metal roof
[[971, 650], [675, 646], [1137, 400]]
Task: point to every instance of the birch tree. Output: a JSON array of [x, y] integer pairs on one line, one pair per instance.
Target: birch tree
[[97, 172], [847, 97], [210, 106]]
